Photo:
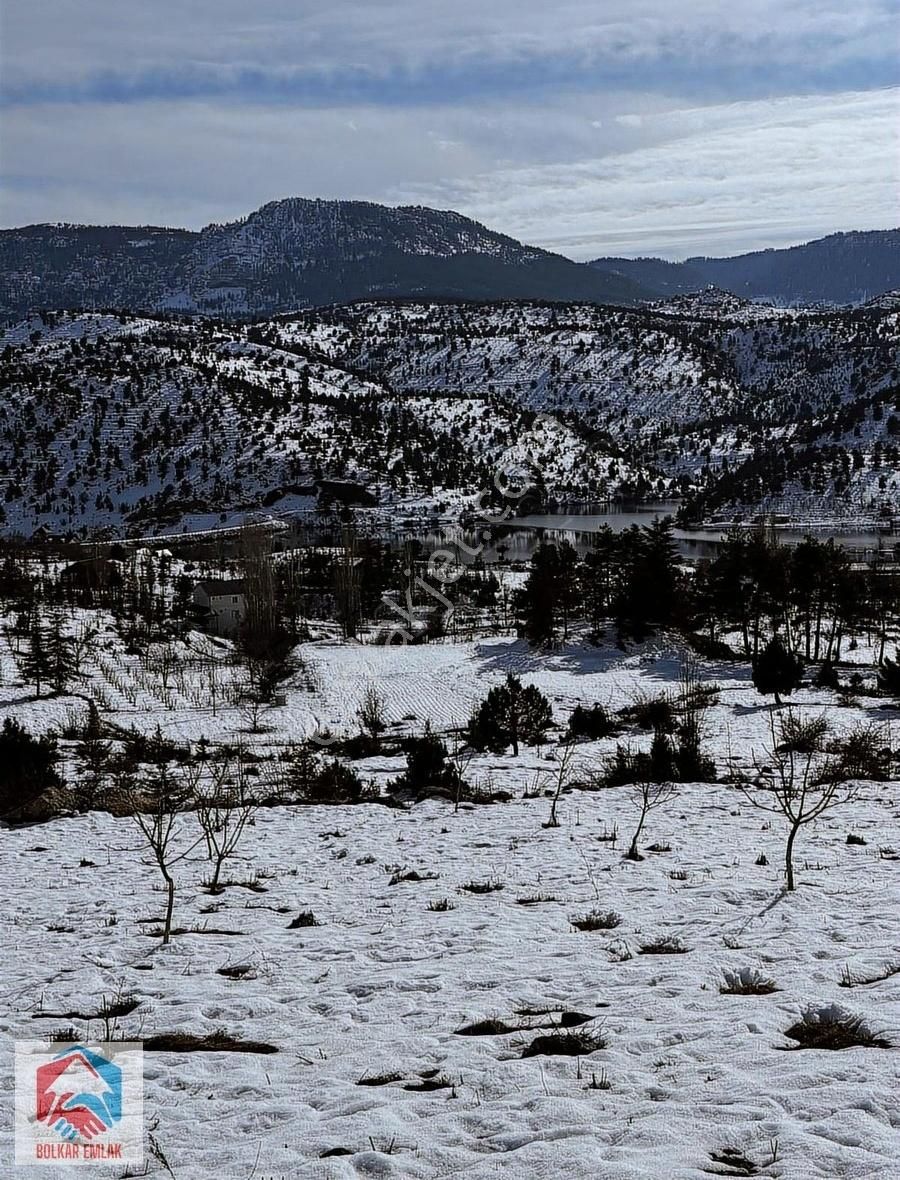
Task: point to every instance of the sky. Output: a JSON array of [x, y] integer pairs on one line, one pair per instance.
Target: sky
[[590, 127]]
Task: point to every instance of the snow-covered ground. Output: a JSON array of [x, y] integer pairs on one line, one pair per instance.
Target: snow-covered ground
[[436, 683], [381, 985]]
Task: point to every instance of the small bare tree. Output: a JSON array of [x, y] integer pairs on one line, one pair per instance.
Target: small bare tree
[[225, 806], [796, 779], [560, 780], [84, 644], [347, 584], [213, 684], [252, 710], [158, 820], [165, 663], [460, 756], [647, 796]]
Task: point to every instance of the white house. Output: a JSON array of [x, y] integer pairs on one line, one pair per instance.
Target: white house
[[222, 604]]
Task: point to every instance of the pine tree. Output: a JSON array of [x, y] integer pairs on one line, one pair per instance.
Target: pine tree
[[551, 595], [60, 651], [512, 712], [653, 583], [36, 660], [777, 670]]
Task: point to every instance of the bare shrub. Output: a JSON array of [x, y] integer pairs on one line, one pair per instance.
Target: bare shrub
[[668, 944], [795, 782], [831, 1027], [864, 753], [597, 920], [801, 735], [491, 1027], [490, 886], [653, 713], [371, 713], [303, 919], [746, 981]]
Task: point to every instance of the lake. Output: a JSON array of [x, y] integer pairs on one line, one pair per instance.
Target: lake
[[517, 538]]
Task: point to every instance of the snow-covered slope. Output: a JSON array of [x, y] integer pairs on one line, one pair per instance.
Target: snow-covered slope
[[697, 387], [123, 421], [364, 1007], [363, 1010], [117, 419]]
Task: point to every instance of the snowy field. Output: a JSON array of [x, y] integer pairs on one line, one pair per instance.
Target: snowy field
[[438, 683], [364, 1009], [379, 988]]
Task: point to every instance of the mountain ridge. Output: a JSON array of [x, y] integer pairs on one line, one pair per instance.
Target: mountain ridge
[[288, 254], [300, 252], [844, 268]]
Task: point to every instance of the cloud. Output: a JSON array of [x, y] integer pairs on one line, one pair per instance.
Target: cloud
[[325, 52], [173, 165], [715, 179], [584, 125]]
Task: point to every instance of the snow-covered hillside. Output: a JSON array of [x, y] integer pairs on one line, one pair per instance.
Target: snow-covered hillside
[[125, 421], [128, 422], [705, 389]]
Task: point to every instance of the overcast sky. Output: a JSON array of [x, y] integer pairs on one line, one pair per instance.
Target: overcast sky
[[592, 127]]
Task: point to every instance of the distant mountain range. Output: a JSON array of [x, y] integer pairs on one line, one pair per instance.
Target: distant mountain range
[[289, 254], [299, 253], [840, 269]]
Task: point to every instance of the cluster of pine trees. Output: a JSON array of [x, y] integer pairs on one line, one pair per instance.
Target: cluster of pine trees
[[809, 595]]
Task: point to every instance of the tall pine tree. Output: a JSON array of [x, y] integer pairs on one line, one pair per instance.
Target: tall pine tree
[[36, 660]]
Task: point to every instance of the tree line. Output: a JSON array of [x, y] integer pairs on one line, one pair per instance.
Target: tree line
[[811, 595]]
